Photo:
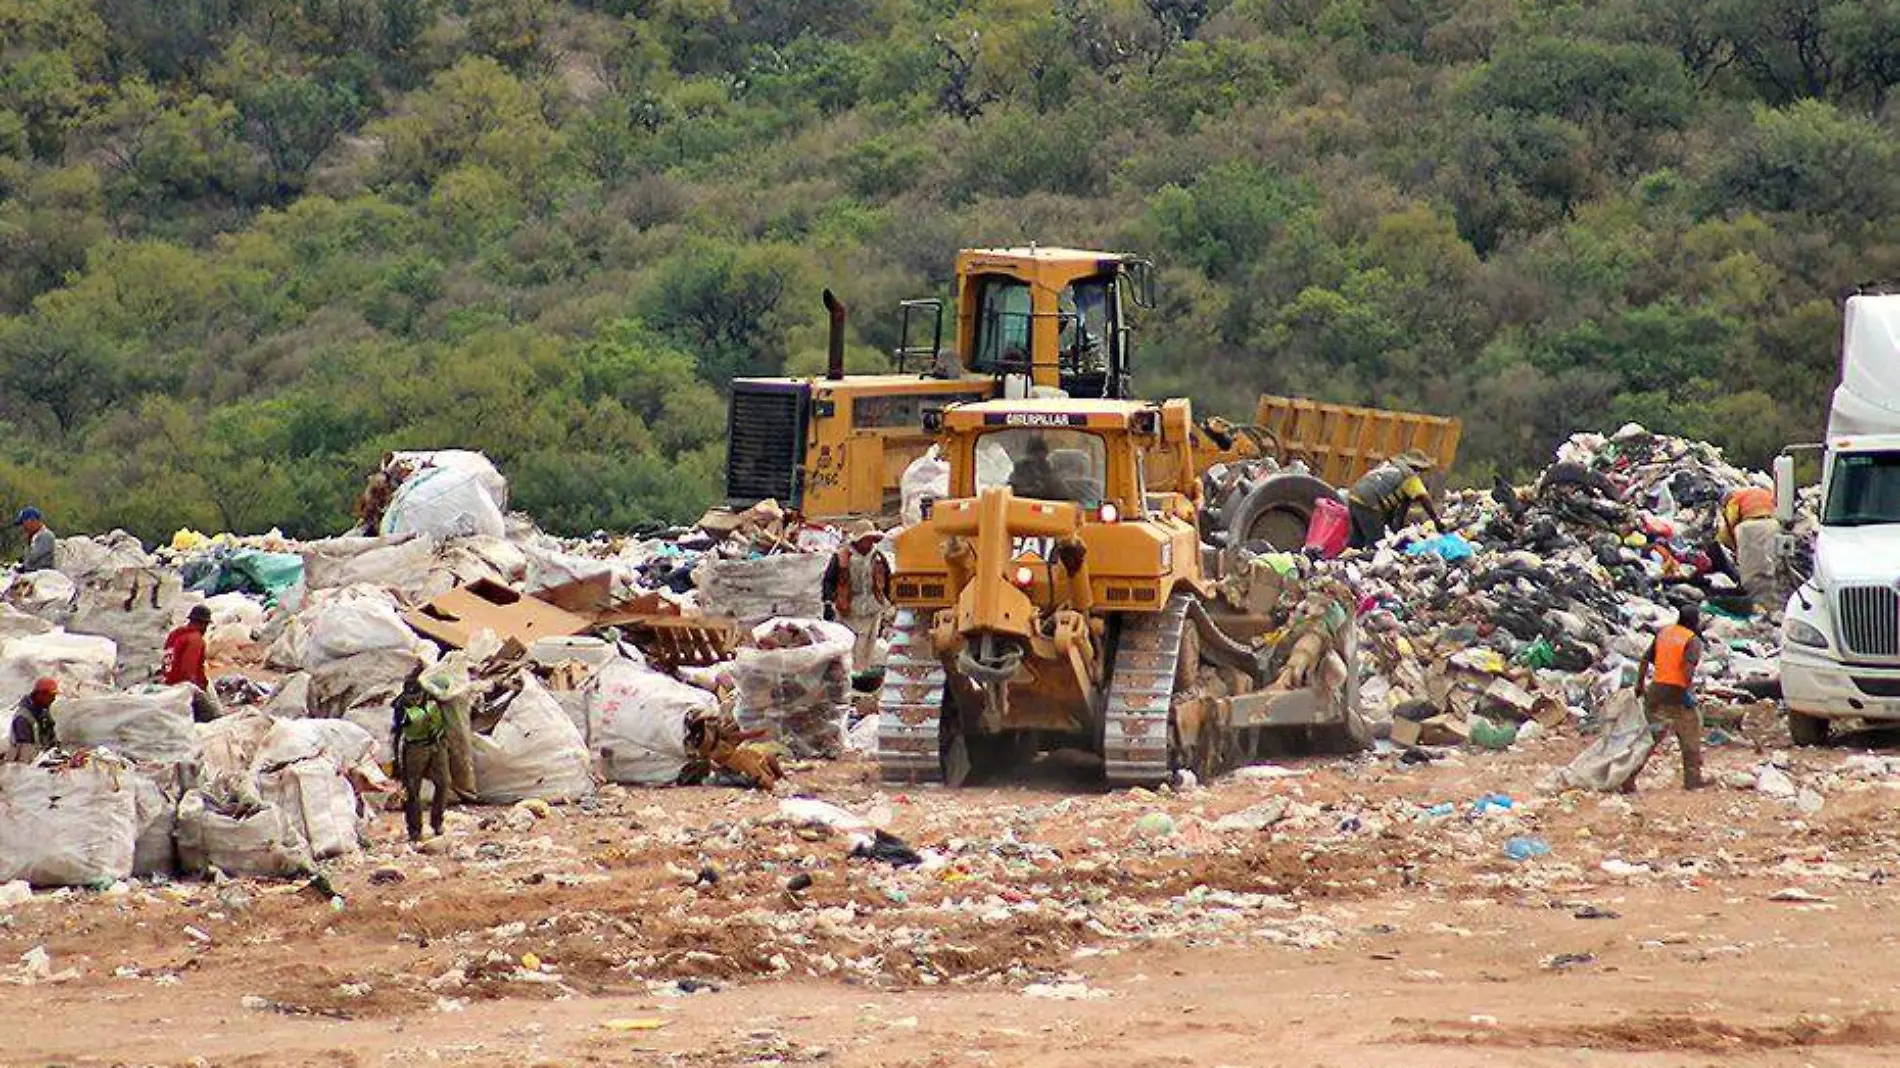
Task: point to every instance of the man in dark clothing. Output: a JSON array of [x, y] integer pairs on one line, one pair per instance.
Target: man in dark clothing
[[32, 728], [1383, 497], [421, 732], [1665, 681], [39, 540], [185, 664], [1034, 476]]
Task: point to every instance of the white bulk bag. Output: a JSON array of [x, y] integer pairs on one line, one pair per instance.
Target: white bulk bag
[[151, 724], [636, 721], [535, 751], [67, 826]]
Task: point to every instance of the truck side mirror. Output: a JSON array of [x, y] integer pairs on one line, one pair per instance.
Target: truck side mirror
[[1784, 490]]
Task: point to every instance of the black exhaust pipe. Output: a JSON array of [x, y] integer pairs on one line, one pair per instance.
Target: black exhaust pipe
[[834, 357]]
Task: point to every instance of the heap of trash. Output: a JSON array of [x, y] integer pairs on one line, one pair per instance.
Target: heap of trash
[[1535, 605], [695, 655]]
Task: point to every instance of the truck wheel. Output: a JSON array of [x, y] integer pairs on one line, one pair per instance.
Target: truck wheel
[[1275, 511], [1807, 730]]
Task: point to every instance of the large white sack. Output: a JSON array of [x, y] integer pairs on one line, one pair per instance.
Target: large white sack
[[393, 563], [291, 699], [239, 834], [344, 628], [926, 479], [46, 595], [753, 591], [79, 556], [135, 607], [67, 826], [150, 724], [800, 692], [228, 746], [345, 745], [465, 461], [319, 803], [443, 502], [157, 790], [1617, 753], [534, 751], [636, 720], [17, 624], [83, 664]]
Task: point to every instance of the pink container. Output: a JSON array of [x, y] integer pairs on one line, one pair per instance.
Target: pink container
[[1330, 528]]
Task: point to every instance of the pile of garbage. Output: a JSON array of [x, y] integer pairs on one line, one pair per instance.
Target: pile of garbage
[[1535, 604], [696, 654]]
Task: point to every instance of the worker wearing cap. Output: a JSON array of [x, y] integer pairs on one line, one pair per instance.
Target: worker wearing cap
[[184, 664], [860, 581], [1383, 497], [1665, 681], [40, 541], [1748, 529], [32, 730]]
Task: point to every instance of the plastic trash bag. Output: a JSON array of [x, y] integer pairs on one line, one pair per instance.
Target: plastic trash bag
[[1617, 753], [926, 479]]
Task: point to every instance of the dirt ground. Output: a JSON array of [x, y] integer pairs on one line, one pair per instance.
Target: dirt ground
[[1338, 915]]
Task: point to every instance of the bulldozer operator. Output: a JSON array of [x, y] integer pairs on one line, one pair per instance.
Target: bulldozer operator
[[1034, 476]]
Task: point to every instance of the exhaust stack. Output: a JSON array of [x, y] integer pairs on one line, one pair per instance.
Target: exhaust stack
[[834, 361]]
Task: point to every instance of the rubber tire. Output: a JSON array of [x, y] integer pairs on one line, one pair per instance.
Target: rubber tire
[[1284, 499], [1808, 730]]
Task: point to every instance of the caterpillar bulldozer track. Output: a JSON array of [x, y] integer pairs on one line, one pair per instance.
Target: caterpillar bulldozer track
[[1077, 591]]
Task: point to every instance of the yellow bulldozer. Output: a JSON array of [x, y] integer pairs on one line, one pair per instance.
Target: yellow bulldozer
[[1031, 322], [1062, 596]]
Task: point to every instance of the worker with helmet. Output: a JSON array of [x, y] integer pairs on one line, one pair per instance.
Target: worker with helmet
[[32, 730]]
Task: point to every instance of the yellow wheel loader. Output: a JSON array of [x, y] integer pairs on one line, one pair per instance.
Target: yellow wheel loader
[[1029, 322], [1062, 597]]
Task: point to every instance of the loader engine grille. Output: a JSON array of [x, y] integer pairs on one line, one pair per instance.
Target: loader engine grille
[[765, 442], [1869, 621]]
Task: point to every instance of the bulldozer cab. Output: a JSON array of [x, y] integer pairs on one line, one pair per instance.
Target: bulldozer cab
[[1047, 318]]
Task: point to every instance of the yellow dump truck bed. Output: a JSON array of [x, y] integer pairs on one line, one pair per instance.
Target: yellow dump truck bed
[[1341, 442]]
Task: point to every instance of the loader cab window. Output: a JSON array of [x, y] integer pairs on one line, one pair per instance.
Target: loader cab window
[[1003, 315], [1091, 346], [1046, 465]]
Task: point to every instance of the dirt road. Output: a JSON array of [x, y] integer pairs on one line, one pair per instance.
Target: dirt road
[[1336, 915]]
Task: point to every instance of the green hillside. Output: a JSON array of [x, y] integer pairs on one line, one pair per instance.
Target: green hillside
[[247, 246]]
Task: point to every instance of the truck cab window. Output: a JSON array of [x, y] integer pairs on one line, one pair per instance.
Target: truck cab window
[[1865, 489]]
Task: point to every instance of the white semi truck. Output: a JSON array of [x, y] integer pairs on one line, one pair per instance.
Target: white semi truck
[[1840, 634]]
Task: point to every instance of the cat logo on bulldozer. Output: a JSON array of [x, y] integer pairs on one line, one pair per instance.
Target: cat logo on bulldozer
[[1043, 548]]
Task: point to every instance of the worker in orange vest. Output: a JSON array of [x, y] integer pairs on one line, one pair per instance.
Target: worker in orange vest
[[1666, 682]]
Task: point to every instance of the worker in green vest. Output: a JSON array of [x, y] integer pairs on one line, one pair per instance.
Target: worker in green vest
[[421, 732]]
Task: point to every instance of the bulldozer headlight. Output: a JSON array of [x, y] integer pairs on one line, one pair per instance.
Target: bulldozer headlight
[[1024, 577], [1110, 514]]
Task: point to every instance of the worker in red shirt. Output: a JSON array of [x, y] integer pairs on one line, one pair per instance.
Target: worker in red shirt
[[185, 664]]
